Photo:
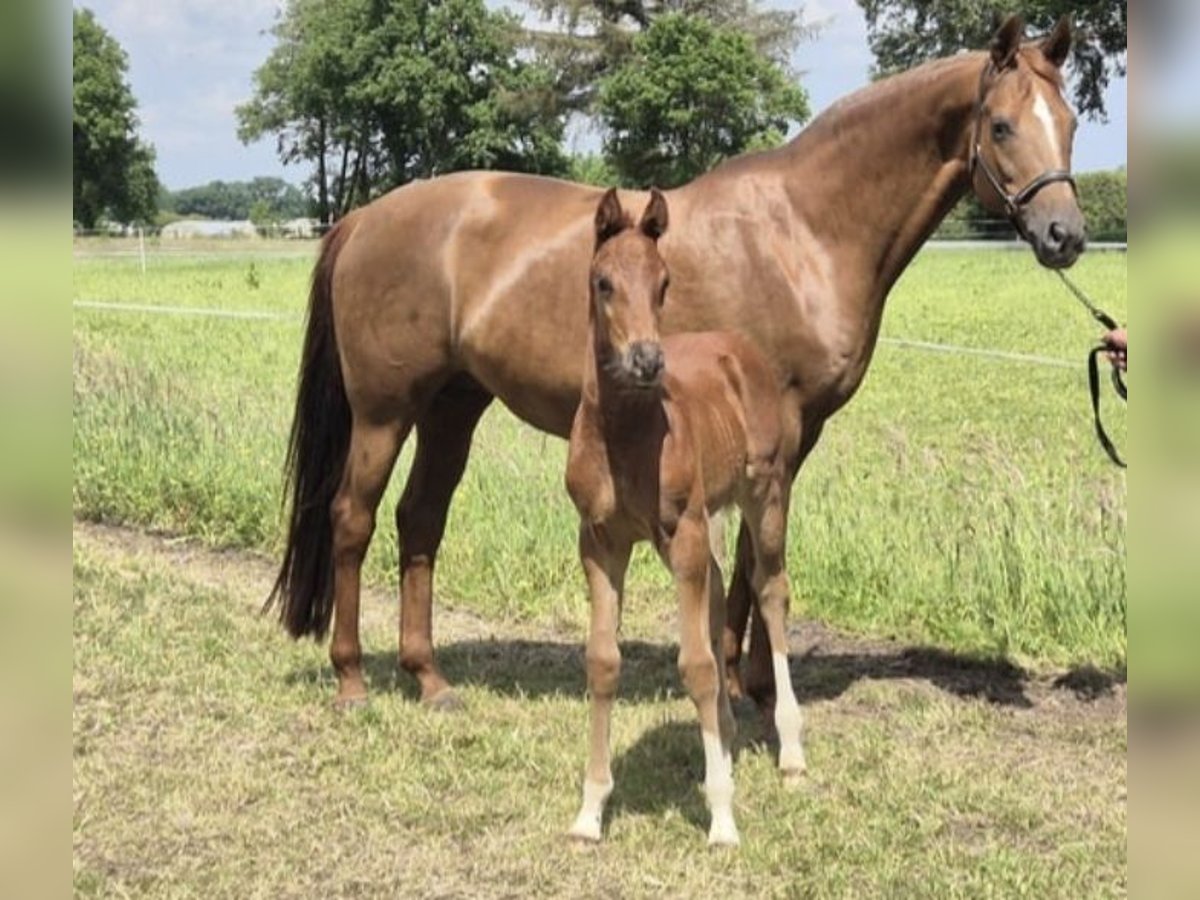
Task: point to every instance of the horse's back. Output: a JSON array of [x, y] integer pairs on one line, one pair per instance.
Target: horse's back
[[469, 272]]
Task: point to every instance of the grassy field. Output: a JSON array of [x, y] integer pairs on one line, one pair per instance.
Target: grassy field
[[209, 763], [958, 500], [958, 647]]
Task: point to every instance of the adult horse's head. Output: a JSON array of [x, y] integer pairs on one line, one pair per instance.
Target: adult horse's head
[[1021, 143], [628, 283]]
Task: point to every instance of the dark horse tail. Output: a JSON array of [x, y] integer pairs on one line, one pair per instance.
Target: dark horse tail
[[316, 457]]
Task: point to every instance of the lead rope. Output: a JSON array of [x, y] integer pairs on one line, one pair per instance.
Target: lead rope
[[1094, 367]]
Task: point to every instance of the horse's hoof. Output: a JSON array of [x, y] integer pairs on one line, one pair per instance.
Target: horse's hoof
[[723, 834], [446, 700], [584, 834], [349, 703], [793, 779]]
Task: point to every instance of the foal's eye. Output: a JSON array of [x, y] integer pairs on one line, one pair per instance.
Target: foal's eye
[[1002, 130], [603, 285]]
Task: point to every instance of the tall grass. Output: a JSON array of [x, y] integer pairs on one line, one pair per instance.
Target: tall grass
[[956, 500]]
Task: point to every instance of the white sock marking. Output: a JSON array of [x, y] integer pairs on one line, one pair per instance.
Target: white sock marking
[[591, 813], [718, 788], [788, 720]]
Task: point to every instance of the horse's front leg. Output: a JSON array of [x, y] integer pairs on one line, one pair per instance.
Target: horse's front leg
[[604, 564]]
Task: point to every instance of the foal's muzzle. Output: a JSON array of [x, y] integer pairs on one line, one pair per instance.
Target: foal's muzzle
[[644, 362]]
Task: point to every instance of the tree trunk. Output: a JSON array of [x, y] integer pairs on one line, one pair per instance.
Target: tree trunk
[[322, 179]]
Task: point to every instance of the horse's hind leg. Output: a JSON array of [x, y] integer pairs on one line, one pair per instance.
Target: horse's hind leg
[[766, 517], [444, 434], [372, 453], [741, 611]]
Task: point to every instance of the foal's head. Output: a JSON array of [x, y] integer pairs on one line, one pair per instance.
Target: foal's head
[[1021, 147], [628, 283]]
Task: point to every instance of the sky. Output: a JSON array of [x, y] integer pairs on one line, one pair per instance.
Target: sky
[[191, 62]]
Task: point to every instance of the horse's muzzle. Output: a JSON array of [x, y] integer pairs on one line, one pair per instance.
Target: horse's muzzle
[[1057, 240]]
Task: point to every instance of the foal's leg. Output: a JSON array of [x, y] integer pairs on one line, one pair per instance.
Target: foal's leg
[[690, 561], [372, 453], [767, 517], [604, 564], [443, 443]]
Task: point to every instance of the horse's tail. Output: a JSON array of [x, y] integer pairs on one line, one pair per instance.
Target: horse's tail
[[316, 456]]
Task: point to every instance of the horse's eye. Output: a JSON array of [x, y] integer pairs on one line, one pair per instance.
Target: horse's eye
[[603, 285], [1002, 130], [662, 294]]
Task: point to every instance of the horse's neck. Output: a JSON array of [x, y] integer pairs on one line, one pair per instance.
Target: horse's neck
[[875, 175]]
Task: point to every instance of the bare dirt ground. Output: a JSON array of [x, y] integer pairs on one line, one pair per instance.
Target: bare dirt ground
[[824, 661]]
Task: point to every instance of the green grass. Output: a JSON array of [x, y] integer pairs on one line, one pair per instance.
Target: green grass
[[209, 763], [957, 501]]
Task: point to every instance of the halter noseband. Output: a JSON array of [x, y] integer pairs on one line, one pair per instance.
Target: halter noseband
[[1012, 202]]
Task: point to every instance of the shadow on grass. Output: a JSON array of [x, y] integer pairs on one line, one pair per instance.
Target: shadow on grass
[[662, 771], [648, 671]]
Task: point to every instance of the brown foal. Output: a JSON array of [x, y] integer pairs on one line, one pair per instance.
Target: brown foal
[[669, 431]]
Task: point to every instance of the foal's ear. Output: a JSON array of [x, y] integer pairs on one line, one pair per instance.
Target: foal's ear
[[654, 219], [610, 218], [1057, 44], [1007, 41]]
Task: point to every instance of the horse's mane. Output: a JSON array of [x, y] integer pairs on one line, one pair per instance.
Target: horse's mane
[[864, 102]]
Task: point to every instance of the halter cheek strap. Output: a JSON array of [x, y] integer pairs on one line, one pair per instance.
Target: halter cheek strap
[[1015, 201]]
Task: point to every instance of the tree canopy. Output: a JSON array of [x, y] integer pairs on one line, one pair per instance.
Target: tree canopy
[[589, 39], [689, 95], [903, 33], [267, 198], [379, 92], [113, 169]]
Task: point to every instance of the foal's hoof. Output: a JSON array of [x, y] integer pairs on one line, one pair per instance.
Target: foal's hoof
[[446, 700]]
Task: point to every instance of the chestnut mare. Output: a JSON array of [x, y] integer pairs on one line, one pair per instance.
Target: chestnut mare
[[443, 294], [668, 432]]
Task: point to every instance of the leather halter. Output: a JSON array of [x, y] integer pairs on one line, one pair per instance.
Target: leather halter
[[1012, 202]]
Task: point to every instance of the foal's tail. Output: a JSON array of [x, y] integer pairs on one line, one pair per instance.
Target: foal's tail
[[316, 456]]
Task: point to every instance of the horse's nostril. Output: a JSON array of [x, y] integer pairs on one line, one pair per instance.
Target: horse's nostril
[[1058, 234]]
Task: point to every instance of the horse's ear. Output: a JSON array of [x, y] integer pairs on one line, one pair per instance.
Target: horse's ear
[[1007, 41], [654, 219], [1057, 44], [610, 218]]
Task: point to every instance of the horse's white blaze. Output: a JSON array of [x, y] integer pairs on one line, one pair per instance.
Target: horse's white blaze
[[591, 813], [788, 720], [718, 789], [1041, 109]]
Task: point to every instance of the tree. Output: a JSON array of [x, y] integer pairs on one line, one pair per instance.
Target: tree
[[113, 169], [235, 199], [689, 95], [903, 33], [378, 92], [591, 38], [1103, 201]]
